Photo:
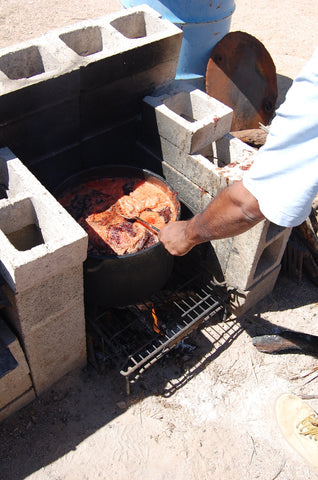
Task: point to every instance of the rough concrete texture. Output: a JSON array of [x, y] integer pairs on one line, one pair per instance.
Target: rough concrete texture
[[213, 167], [230, 152], [29, 205], [190, 194], [32, 62], [251, 255], [16, 384], [243, 300], [33, 306], [42, 253], [120, 100], [87, 44], [75, 81], [189, 118], [56, 346]]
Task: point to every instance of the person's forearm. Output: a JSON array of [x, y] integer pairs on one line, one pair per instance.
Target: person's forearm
[[232, 212]]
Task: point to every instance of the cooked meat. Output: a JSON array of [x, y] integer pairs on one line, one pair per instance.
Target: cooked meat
[[166, 214], [153, 218], [107, 228], [150, 197], [128, 206], [96, 206]]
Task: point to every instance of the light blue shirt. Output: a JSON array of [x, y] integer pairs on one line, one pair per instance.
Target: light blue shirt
[[284, 176]]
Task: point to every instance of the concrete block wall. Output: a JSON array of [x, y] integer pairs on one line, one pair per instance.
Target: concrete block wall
[[42, 250], [251, 261], [74, 83], [69, 100]]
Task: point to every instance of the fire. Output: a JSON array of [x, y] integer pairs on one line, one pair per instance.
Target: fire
[[155, 324]]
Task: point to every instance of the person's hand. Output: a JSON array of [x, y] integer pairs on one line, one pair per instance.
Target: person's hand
[[174, 238]]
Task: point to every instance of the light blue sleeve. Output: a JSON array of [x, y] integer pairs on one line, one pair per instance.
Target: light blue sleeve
[[284, 176]]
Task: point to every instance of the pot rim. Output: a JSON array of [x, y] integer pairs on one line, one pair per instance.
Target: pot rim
[[139, 170]]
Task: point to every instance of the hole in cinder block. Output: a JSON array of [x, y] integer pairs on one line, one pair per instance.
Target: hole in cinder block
[[24, 63], [189, 105], [269, 256], [182, 104], [19, 222], [85, 41], [273, 231], [137, 25], [208, 153], [26, 238]]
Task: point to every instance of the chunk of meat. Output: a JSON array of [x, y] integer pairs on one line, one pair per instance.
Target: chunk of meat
[[167, 214], [98, 204], [127, 206], [111, 230], [150, 197]]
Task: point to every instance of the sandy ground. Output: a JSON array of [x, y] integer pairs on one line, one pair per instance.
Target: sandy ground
[[201, 414]]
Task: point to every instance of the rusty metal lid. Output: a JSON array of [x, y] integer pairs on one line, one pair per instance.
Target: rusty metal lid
[[241, 74]]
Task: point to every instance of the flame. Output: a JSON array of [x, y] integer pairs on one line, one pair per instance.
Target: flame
[[155, 324]]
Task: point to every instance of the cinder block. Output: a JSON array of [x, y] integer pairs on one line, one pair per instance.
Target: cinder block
[[222, 249], [17, 404], [66, 163], [34, 75], [16, 382], [104, 147], [121, 99], [244, 300], [42, 249], [56, 346], [196, 168], [193, 196], [33, 306], [247, 257], [231, 152], [41, 81], [123, 44], [253, 254], [39, 134], [189, 118], [213, 167], [38, 238]]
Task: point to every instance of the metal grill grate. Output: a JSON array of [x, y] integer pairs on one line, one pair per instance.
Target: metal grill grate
[[136, 336]]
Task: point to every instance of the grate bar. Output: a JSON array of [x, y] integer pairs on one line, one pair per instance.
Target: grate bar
[[154, 327], [176, 336]]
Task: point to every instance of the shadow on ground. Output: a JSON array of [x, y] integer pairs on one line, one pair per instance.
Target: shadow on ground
[[85, 401]]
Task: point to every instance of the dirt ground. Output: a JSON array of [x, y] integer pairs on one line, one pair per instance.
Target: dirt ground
[[206, 413]]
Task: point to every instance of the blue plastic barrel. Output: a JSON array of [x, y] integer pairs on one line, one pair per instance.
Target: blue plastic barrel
[[204, 24]]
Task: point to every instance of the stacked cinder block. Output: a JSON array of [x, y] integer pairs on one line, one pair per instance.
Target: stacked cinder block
[[16, 389], [190, 130], [179, 124], [68, 94], [42, 250], [69, 100]]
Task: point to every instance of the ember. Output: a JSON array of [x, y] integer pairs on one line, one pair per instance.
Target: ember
[[99, 207]]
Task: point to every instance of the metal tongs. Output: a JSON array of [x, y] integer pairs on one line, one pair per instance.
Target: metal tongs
[[150, 227]]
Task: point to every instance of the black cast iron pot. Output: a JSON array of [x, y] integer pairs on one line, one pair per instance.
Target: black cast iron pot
[[124, 279]]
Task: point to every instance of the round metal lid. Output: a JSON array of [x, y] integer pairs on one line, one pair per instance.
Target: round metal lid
[[242, 75]]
